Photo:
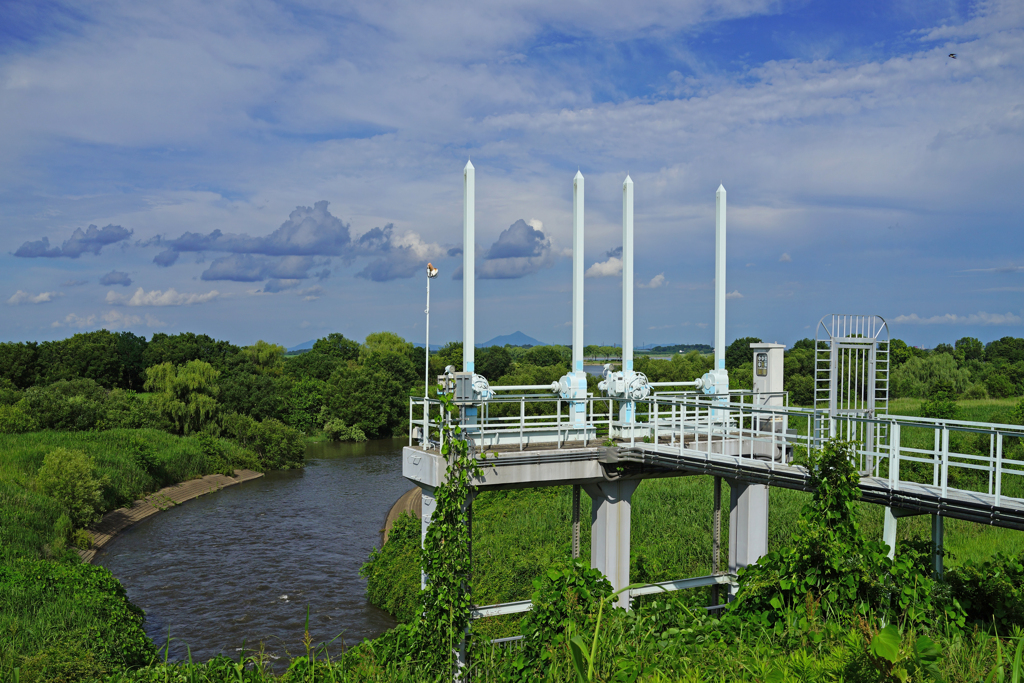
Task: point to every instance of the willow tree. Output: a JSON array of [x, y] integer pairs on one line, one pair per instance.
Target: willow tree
[[185, 394]]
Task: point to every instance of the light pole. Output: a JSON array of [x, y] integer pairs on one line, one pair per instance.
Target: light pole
[[431, 274]]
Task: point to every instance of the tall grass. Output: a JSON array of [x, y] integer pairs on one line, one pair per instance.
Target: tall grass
[[59, 618]]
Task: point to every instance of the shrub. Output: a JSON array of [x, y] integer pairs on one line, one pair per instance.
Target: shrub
[[992, 590], [940, 406], [9, 393], [125, 409], [74, 405], [565, 601], [82, 621], [67, 476], [393, 572], [336, 430], [14, 420], [830, 563], [277, 445]]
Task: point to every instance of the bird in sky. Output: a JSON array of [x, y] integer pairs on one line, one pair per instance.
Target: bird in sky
[[952, 55]]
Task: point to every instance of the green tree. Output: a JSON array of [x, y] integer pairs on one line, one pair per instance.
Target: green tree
[[131, 352], [920, 377], [545, 356], [68, 477], [268, 358], [899, 353], [969, 348], [739, 352], [88, 355], [336, 346], [179, 349], [493, 362], [1007, 349], [19, 363], [370, 398], [451, 354], [186, 394]]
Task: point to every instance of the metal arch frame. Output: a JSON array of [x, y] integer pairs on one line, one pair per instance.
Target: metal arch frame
[[851, 377]]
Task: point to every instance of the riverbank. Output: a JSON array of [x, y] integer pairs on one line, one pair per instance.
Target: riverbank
[[118, 520]]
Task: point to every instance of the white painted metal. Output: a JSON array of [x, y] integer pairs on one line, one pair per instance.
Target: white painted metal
[[609, 531], [627, 276], [720, 292], [683, 584], [482, 611], [577, 272], [748, 523], [431, 274], [468, 266]]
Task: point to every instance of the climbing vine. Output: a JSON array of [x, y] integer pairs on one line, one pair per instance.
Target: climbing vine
[[445, 604]]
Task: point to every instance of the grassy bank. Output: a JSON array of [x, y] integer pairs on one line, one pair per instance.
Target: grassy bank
[[61, 619], [518, 534]]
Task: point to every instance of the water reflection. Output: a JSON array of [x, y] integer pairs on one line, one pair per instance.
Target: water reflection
[[242, 565]]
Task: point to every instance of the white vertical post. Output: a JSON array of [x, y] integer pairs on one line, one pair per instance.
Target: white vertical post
[[468, 266], [577, 273], [720, 278], [627, 276], [425, 441], [626, 412]]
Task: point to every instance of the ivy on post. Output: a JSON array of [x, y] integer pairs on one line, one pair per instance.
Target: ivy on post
[[446, 558]]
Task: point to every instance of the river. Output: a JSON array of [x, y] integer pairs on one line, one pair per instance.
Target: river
[[240, 566]]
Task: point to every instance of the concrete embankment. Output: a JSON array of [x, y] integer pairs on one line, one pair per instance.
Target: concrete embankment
[[117, 521], [411, 501]]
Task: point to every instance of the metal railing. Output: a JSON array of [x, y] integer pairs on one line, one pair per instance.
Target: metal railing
[[957, 455]]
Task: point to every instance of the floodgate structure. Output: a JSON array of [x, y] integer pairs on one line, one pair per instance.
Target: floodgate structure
[[547, 435]]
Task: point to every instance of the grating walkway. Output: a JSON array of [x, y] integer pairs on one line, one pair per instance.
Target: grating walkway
[[908, 497], [117, 521]]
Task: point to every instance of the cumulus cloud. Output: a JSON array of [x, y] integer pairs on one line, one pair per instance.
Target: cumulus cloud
[[520, 250], [171, 297], [307, 240], [402, 256], [21, 297], [656, 281], [167, 257], [734, 294], [91, 240], [610, 267], [785, 258], [116, 277], [111, 320], [979, 318], [309, 231]]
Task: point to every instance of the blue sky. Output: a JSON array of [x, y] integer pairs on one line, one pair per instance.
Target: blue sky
[[272, 170]]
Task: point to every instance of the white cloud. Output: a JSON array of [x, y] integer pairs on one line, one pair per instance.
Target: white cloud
[[785, 258], [111, 320], [21, 297], [160, 298], [734, 294], [656, 281], [609, 268], [979, 318]]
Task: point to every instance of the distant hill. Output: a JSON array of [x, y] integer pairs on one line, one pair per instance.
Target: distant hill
[[304, 346], [514, 339]]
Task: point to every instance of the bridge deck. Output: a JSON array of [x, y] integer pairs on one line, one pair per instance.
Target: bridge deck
[[908, 498]]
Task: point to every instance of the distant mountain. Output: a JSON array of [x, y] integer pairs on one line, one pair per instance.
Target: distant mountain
[[304, 346], [515, 339]]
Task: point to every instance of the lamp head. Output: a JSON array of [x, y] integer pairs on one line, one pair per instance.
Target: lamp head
[[431, 271]]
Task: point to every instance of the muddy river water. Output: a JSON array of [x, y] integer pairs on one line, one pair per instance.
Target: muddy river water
[[241, 566]]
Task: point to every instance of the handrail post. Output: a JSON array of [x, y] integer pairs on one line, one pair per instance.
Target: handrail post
[[999, 467], [894, 456], [522, 420], [945, 460], [655, 401]]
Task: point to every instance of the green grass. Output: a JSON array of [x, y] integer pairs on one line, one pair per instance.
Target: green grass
[[69, 607]]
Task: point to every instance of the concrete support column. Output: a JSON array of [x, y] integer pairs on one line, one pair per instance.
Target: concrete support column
[[426, 513], [609, 531], [937, 551], [889, 531], [748, 523]]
